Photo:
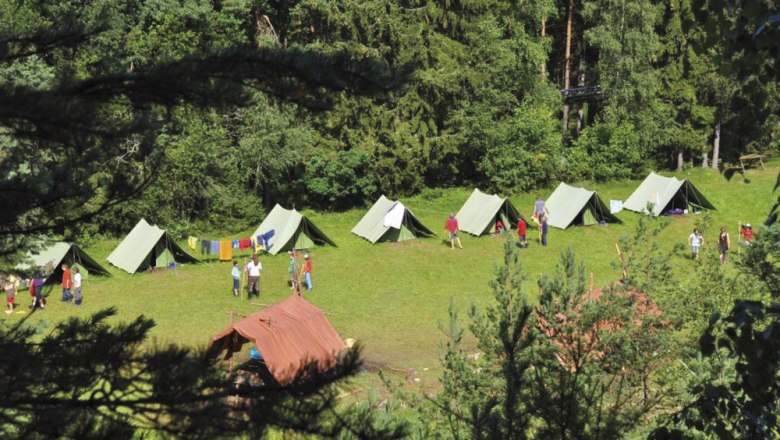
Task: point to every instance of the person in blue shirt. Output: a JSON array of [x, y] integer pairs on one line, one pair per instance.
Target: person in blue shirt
[[236, 277]]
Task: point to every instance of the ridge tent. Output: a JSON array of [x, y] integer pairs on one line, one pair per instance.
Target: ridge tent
[[390, 220], [59, 253], [570, 205], [148, 246], [291, 336], [478, 215], [287, 229], [666, 193]]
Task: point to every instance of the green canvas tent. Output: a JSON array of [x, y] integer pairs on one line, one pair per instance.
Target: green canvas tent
[[665, 193], [570, 205], [478, 215], [288, 229], [148, 246], [390, 220], [59, 253]]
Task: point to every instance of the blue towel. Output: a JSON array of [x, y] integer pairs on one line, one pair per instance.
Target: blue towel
[[214, 247], [235, 244]]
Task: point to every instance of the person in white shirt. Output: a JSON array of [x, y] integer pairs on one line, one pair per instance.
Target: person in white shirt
[[77, 285], [253, 269], [695, 241]]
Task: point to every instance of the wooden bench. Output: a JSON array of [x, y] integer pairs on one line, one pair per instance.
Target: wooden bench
[[748, 160]]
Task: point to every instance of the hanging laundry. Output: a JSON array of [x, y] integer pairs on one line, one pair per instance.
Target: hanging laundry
[[214, 247], [192, 242], [225, 250], [244, 243], [234, 243], [205, 247], [263, 239]]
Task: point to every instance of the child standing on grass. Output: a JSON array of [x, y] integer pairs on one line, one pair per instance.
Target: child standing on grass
[[10, 287], [307, 271], [77, 285], [67, 284], [292, 273], [236, 277], [522, 230]]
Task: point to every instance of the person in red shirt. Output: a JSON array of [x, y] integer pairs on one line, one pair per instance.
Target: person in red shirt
[[522, 230], [307, 271], [747, 233], [452, 228], [67, 283], [500, 228]]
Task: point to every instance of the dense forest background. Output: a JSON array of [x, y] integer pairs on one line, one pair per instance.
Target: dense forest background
[[504, 95]]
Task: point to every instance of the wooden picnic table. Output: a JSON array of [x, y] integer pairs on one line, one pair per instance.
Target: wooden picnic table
[[745, 161]]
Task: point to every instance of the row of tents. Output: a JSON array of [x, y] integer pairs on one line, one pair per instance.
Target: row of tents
[[148, 246], [390, 220]]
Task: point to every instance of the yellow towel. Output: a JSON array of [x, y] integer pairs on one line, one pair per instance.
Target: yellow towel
[[192, 242], [225, 250]]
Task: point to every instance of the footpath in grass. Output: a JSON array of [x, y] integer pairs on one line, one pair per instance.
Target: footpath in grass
[[392, 296]]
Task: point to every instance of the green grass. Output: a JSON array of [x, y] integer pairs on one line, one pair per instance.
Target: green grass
[[392, 296]]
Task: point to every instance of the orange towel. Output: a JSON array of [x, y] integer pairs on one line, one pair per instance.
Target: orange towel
[[225, 250]]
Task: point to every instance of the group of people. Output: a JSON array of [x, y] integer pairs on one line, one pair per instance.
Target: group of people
[[71, 285], [297, 272], [541, 212], [71, 288], [696, 241]]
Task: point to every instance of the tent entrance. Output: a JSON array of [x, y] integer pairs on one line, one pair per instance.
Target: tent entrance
[[589, 217], [301, 240], [161, 256], [402, 234]]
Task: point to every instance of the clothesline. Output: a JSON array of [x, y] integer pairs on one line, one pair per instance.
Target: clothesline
[[224, 248]]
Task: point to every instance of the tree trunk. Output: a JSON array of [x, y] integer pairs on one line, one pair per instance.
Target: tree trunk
[[716, 147], [704, 160], [680, 160], [581, 110], [267, 202], [544, 34], [567, 65]]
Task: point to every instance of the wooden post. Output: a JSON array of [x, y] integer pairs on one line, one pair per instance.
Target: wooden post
[[622, 261]]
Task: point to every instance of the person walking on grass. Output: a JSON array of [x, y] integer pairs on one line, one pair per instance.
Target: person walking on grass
[[77, 286], [236, 273], [522, 232], [36, 291], [452, 229], [695, 241], [543, 227], [253, 269], [307, 271], [67, 284], [724, 244]]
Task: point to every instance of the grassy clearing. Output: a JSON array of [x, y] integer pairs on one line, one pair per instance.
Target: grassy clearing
[[391, 297]]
